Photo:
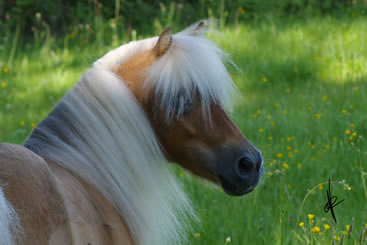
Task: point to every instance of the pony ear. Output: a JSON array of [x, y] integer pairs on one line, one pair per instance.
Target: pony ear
[[164, 42], [198, 30]]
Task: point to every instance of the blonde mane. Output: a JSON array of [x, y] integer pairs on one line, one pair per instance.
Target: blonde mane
[[100, 132], [193, 65]]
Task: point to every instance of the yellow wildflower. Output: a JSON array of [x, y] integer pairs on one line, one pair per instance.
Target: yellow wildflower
[[309, 108], [6, 69], [321, 187], [348, 227], [181, 174], [277, 105], [196, 234], [347, 132], [21, 123], [310, 216], [351, 106], [345, 233], [285, 112], [356, 88], [326, 226], [279, 155], [269, 117], [352, 125], [261, 130], [299, 165], [325, 98], [315, 229], [259, 111], [354, 134], [241, 10], [301, 224], [270, 138], [33, 125], [334, 139], [289, 148], [327, 146], [337, 238], [344, 111], [3, 85], [272, 124], [285, 165], [270, 174], [265, 80], [288, 90], [318, 116], [296, 150], [350, 138]]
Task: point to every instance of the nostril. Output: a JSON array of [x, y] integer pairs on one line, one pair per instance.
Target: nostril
[[245, 166], [258, 166]]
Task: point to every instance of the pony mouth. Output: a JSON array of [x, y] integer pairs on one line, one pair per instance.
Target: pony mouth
[[230, 189]]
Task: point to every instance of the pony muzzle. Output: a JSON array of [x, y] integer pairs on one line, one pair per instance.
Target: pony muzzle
[[244, 175]]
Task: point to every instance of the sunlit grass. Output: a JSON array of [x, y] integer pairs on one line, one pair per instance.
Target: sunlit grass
[[303, 104]]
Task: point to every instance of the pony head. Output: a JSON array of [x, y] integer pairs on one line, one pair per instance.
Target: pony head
[[183, 86]]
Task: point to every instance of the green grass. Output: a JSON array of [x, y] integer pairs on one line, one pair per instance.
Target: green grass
[[315, 90]]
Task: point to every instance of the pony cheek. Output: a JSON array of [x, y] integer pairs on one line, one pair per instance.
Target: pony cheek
[[190, 129], [198, 159]]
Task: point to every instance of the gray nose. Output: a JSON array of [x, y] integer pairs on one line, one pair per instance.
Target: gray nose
[[248, 165]]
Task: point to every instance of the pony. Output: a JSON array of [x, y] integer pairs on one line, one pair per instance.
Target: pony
[[96, 170]]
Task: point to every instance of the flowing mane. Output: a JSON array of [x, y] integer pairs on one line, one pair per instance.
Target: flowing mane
[[100, 132]]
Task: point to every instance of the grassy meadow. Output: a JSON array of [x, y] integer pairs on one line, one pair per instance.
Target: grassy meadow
[[303, 85]]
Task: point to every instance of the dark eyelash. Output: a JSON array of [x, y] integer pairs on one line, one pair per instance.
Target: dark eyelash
[[183, 106]]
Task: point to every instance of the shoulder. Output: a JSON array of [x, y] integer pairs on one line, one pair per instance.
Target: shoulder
[[22, 164], [30, 187]]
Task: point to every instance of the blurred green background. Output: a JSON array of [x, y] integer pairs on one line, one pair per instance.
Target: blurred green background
[[303, 81]]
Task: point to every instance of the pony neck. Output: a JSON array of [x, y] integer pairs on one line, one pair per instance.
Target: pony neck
[[100, 133]]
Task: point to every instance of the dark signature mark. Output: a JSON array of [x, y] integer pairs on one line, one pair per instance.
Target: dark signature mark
[[331, 202]]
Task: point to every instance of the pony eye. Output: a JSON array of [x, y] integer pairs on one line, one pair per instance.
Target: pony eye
[[183, 106], [187, 109]]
